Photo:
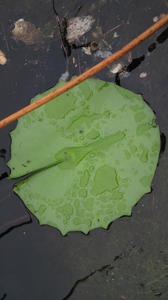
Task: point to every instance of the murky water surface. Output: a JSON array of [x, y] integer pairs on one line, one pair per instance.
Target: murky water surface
[[130, 259]]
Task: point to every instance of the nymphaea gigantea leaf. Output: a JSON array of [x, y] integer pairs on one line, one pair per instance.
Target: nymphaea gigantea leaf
[[92, 154]]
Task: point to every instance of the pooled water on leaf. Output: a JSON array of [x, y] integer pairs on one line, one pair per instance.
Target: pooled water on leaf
[[94, 151]]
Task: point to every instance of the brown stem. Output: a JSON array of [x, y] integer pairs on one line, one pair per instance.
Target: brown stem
[[87, 74]]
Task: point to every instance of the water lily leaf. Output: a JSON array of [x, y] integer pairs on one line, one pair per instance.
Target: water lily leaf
[[91, 153]]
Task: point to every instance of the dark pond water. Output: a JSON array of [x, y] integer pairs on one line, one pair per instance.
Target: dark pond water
[[130, 259]]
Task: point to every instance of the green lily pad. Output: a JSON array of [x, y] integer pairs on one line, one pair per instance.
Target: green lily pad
[[91, 155]]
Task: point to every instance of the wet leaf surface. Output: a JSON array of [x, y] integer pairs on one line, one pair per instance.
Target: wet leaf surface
[[93, 152]]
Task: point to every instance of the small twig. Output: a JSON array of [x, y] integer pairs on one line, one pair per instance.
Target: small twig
[[87, 74], [79, 63], [62, 25], [114, 28], [5, 39]]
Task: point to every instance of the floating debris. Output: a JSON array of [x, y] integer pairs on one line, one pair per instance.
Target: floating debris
[[116, 68], [87, 50], [115, 34], [143, 75], [103, 54], [64, 76], [94, 46], [155, 19], [26, 32], [3, 58], [119, 70], [78, 26]]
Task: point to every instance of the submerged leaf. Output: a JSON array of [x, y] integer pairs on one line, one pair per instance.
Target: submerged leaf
[[92, 153]]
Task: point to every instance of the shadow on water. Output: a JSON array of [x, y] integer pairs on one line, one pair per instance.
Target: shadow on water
[[137, 61], [162, 146], [163, 142], [3, 175], [3, 296], [163, 36], [129, 68], [160, 39], [2, 153], [152, 47]]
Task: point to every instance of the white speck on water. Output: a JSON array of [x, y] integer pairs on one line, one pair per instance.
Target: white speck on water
[[87, 50], [64, 76], [78, 26], [116, 68], [143, 75], [115, 34], [155, 19]]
